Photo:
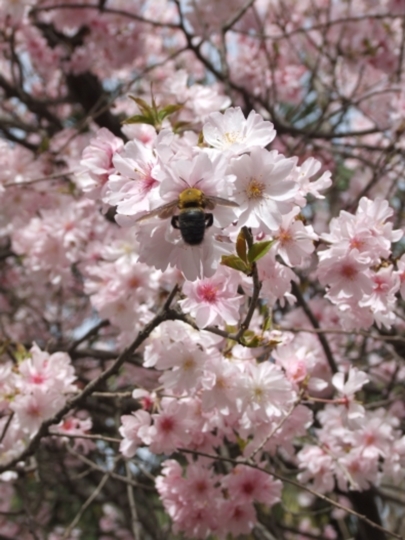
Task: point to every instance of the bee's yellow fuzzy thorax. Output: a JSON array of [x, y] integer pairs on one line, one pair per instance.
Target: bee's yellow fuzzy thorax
[[191, 198]]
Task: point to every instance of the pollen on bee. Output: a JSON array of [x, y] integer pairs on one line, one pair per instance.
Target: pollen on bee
[[254, 189]]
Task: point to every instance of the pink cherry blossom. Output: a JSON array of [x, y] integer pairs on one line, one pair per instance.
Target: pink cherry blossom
[[170, 427], [294, 240], [132, 187], [240, 518], [213, 300], [264, 188], [132, 426], [249, 485], [233, 134], [97, 163], [266, 392], [33, 408], [187, 363], [347, 275]]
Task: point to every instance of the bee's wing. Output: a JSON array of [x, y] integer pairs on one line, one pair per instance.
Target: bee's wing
[[163, 212], [211, 202]]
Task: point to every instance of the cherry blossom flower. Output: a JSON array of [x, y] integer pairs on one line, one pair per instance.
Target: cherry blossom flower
[[170, 429], [46, 372], [298, 363], [201, 172], [213, 300], [294, 241], [33, 408], [232, 133], [319, 467], [221, 383], [251, 485], [75, 427], [265, 392], [353, 412], [347, 275], [355, 381], [97, 163], [237, 518], [187, 363], [308, 169], [132, 188], [264, 189], [276, 279], [133, 429]]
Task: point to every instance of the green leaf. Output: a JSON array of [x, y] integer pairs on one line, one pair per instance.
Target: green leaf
[[44, 145], [139, 119], [242, 443], [143, 106], [233, 261], [241, 246], [255, 341], [267, 323], [21, 353], [168, 110], [259, 250], [179, 127]]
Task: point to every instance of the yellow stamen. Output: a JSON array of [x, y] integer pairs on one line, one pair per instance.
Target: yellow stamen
[[255, 189]]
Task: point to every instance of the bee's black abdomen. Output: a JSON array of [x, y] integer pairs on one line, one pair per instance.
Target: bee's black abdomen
[[191, 223]]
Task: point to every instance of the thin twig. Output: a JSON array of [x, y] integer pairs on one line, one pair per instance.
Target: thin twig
[[90, 333], [6, 426], [238, 15], [84, 507], [132, 506], [98, 468], [37, 180], [86, 436]]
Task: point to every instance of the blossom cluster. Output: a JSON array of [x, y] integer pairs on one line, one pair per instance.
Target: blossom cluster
[[354, 268], [282, 333], [197, 504], [210, 391], [32, 391], [265, 188], [208, 396]]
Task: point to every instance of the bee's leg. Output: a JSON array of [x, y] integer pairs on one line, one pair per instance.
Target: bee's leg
[[209, 220], [175, 222]]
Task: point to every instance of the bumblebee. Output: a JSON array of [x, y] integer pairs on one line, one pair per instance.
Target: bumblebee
[[192, 219]]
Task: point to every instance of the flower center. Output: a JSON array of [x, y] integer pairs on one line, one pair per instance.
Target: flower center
[[37, 378], [284, 236], [356, 243], [232, 137], [348, 272], [134, 282], [189, 363], [254, 189], [207, 293], [167, 425]]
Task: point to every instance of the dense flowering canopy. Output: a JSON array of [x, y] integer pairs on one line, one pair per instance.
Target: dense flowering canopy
[[154, 386]]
